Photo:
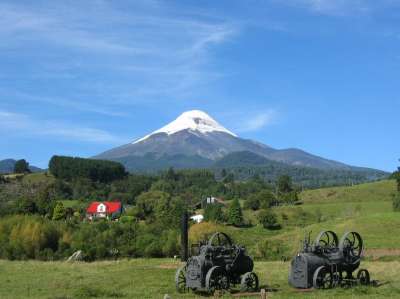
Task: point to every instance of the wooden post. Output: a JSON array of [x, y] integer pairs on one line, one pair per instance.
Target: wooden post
[[263, 294]]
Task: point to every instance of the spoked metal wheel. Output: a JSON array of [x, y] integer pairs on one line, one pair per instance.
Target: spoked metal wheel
[[323, 278], [326, 239], [363, 277], [351, 245], [180, 279], [217, 279], [249, 282]]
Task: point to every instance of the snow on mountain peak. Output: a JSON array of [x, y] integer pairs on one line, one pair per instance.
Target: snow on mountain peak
[[194, 120]]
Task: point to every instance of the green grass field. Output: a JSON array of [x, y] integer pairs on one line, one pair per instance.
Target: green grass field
[[364, 208], [153, 278]]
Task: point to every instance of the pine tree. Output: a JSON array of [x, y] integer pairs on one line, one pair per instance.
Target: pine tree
[[235, 216], [285, 184]]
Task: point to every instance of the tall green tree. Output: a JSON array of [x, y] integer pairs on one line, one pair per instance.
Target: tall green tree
[[21, 166], [235, 215], [213, 212], [285, 184]]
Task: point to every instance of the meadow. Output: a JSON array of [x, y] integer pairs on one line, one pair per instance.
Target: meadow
[[365, 208], [153, 278]]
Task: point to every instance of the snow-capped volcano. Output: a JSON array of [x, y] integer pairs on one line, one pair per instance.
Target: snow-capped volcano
[[195, 139], [194, 120]]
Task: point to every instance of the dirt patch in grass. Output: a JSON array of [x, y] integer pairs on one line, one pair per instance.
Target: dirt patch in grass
[[382, 252], [170, 265]]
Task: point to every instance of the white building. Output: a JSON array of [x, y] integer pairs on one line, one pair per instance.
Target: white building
[[197, 218]]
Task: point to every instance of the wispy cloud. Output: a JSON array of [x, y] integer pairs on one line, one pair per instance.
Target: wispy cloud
[[153, 48], [18, 123], [61, 102], [333, 7], [256, 121]]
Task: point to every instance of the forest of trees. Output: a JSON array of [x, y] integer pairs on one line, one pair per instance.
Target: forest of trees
[[70, 168]]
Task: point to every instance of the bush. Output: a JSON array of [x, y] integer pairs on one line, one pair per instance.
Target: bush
[[269, 220], [171, 243], [263, 199], [252, 203], [272, 250], [59, 212], [27, 237]]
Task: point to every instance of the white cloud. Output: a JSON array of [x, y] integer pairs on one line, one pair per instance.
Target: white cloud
[[257, 121], [155, 48], [61, 102], [22, 124], [332, 7]]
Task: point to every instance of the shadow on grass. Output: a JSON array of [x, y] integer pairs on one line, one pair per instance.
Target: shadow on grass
[[90, 292]]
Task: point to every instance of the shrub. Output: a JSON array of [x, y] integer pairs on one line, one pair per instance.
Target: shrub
[[269, 220], [272, 250], [171, 243], [252, 203], [263, 199], [59, 212]]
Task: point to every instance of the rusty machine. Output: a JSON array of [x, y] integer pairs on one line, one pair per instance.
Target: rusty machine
[[217, 265], [328, 263]]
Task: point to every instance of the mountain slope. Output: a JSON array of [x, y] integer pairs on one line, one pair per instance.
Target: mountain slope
[[195, 139], [245, 165], [7, 166]]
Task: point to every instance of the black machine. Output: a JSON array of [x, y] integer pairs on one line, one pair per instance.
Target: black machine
[[218, 264], [328, 262]]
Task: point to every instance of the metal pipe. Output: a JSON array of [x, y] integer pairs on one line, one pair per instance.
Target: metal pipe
[[184, 237]]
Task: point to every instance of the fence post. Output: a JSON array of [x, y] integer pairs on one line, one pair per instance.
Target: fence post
[[263, 294]]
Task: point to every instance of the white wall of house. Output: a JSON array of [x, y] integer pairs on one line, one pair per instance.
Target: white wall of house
[[197, 218]]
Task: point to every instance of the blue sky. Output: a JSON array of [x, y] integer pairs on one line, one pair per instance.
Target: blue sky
[[80, 77]]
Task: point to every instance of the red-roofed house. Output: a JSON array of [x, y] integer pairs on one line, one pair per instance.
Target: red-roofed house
[[106, 209]]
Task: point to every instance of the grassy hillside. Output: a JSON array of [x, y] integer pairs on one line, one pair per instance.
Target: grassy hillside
[[366, 208], [375, 191], [153, 278]]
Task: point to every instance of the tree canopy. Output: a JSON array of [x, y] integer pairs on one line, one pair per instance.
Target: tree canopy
[[21, 166], [69, 168]]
